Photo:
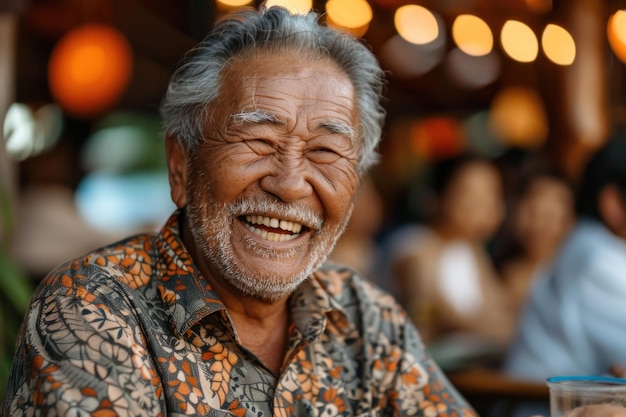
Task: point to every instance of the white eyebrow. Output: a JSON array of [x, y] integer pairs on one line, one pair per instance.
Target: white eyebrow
[[255, 117], [341, 129], [259, 117]]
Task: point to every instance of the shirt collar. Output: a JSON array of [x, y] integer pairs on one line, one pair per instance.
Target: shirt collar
[[314, 303], [187, 296]]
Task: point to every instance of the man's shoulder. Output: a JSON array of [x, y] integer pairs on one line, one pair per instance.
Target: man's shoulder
[[349, 286], [130, 261], [590, 247]]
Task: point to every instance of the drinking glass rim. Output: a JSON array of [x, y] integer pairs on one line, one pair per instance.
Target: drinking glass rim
[[587, 378]]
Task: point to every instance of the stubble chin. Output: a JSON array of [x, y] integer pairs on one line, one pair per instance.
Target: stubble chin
[[268, 283], [269, 279]]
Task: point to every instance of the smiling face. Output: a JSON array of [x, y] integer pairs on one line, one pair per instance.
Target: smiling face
[[271, 188]]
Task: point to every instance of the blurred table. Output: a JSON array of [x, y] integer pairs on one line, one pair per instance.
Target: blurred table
[[494, 383], [491, 392]]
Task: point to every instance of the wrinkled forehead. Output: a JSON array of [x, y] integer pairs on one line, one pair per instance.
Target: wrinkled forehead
[[282, 53], [269, 74]]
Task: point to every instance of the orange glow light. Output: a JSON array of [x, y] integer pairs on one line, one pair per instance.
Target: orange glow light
[[518, 118], [89, 69], [436, 138], [472, 35], [416, 24], [231, 4], [352, 15], [616, 33], [294, 6], [558, 45], [519, 41]]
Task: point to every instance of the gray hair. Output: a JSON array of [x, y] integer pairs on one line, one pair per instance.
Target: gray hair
[[196, 84]]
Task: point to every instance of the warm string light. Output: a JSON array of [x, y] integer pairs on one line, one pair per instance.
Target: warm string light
[[616, 33], [416, 24], [519, 41], [225, 5], [294, 6], [352, 15], [472, 35], [558, 45]]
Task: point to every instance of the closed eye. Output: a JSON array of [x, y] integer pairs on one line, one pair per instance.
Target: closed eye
[[323, 150], [323, 155], [261, 146]]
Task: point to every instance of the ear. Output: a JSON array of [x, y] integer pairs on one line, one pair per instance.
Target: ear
[[177, 165], [613, 210]]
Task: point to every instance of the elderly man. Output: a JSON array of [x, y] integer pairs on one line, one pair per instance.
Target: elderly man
[[230, 310]]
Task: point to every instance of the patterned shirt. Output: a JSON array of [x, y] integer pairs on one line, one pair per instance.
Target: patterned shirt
[[133, 329]]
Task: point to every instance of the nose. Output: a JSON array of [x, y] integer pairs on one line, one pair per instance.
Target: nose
[[289, 180]]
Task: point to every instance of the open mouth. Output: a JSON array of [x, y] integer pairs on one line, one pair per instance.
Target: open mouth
[[273, 229]]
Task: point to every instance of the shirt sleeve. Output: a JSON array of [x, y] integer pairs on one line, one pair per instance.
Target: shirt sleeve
[[79, 357], [404, 376], [602, 309], [420, 387]]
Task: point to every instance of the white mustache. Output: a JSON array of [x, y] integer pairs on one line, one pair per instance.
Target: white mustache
[[275, 208]]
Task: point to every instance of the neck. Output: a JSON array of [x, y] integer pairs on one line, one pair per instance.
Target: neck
[[264, 335], [261, 326]]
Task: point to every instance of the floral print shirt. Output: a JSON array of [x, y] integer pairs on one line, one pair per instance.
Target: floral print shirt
[[133, 329]]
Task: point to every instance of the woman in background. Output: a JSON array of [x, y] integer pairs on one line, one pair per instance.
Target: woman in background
[[445, 273], [543, 213]]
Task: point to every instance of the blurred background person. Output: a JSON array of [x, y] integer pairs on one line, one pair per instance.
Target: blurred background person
[[542, 213], [574, 322], [445, 273]]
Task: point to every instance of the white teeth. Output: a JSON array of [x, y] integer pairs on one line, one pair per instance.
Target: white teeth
[[294, 228], [275, 237]]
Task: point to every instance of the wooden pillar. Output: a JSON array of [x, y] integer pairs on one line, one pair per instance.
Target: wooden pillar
[[8, 180], [578, 95]]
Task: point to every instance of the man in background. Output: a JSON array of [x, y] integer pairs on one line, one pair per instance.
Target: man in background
[[574, 322]]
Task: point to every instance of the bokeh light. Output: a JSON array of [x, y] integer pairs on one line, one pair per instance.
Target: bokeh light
[[518, 118], [472, 35], [294, 6], [437, 137], [519, 41], [125, 186], [231, 4], [89, 69], [28, 133], [558, 45], [352, 15], [416, 24], [616, 33]]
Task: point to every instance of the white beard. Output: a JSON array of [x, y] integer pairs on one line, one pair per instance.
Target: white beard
[[212, 232]]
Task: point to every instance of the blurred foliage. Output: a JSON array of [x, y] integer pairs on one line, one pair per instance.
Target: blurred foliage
[[15, 292]]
